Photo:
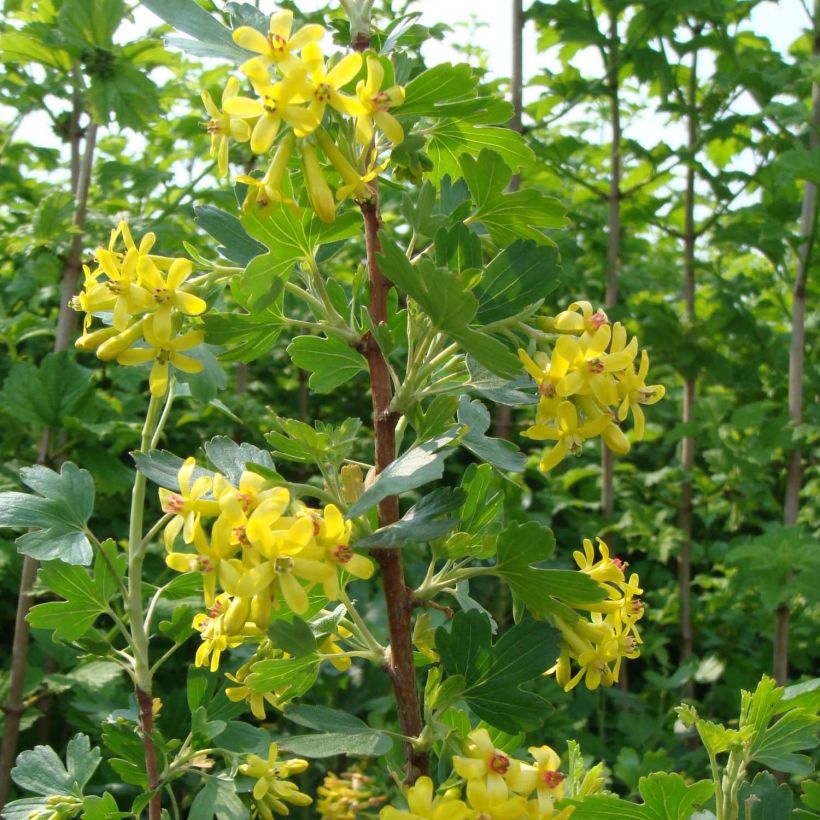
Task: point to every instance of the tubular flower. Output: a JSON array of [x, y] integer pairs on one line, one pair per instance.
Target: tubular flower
[[599, 645], [356, 185], [326, 84], [166, 293], [542, 777], [256, 700], [423, 805], [318, 191], [164, 353], [375, 105], [223, 127], [586, 384], [186, 505], [269, 188], [278, 47], [273, 790], [343, 797], [278, 104], [483, 767]]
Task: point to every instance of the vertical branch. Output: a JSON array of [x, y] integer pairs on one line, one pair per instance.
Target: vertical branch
[[398, 598], [808, 228], [686, 513], [611, 56], [502, 422], [66, 323]]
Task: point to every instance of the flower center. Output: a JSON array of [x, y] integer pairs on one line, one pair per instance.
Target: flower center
[[499, 763], [552, 779], [270, 105], [161, 295], [244, 500], [174, 504], [382, 101], [598, 318], [277, 42], [322, 92], [547, 389], [283, 565], [596, 366], [343, 553], [241, 536]]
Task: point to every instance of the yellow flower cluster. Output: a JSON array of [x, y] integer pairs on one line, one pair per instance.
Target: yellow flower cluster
[[342, 798], [589, 373], [273, 790], [145, 297], [599, 644], [294, 91], [263, 548], [498, 787]]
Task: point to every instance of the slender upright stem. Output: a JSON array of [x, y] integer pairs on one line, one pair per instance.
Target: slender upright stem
[[14, 706], [612, 57], [398, 598], [502, 420], [808, 231], [686, 513], [139, 636]]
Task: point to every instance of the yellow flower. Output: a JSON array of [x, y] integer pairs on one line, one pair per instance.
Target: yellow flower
[[187, 505], [334, 536], [164, 353], [242, 583], [166, 295], [278, 104], [568, 434], [579, 317], [205, 561], [273, 790], [423, 805], [269, 188], [375, 105], [333, 652], [130, 298], [222, 126], [483, 767], [606, 569], [543, 778], [279, 47], [318, 191], [326, 84], [635, 392], [356, 185], [215, 639], [342, 798]]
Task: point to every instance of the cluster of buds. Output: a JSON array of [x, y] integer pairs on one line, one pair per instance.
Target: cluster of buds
[[344, 797], [145, 297], [260, 548], [273, 790], [58, 807], [597, 644], [588, 383], [497, 786], [295, 93]]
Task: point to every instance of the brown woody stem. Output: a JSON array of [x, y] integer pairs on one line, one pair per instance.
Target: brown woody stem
[[146, 704], [398, 597]]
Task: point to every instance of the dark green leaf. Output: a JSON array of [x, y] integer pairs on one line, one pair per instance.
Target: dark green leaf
[[340, 733], [330, 361], [422, 522], [493, 674], [231, 459], [235, 243], [162, 468], [295, 637], [500, 453], [502, 391], [418, 466], [288, 677], [766, 798]]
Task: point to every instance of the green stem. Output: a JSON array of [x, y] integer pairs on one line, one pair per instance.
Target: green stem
[[364, 632]]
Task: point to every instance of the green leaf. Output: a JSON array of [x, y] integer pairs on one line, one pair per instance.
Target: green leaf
[[102, 808], [517, 279], [24, 809], [665, 796], [46, 395], [235, 242], [288, 677], [794, 731], [162, 468], [339, 733], [41, 771], [766, 798], [295, 637], [218, 797], [281, 231], [59, 513], [294, 440], [493, 674], [330, 361], [512, 215], [247, 335], [501, 454], [502, 391], [543, 591], [85, 596], [413, 468], [232, 459], [25, 47], [190, 18], [90, 25], [421, 523], [450, 140], [126, 94], [493, 354]]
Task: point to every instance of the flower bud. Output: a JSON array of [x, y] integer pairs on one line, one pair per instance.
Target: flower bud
[[319, 193]]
